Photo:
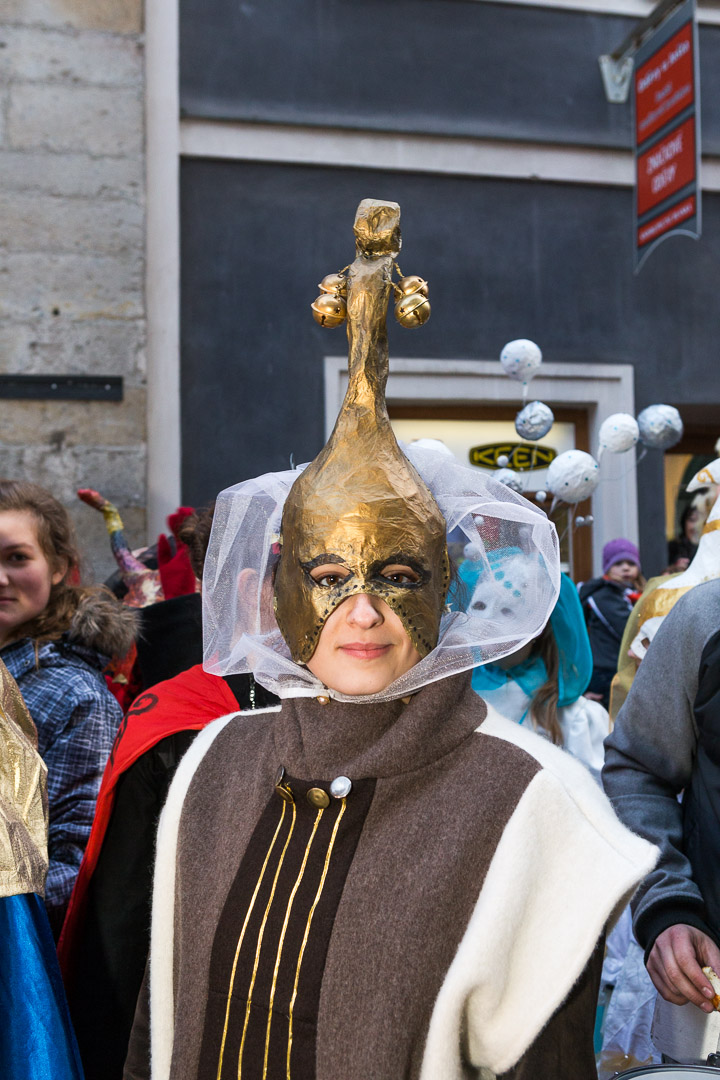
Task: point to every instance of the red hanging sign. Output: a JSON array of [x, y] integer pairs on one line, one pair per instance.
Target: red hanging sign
[[667, 139]]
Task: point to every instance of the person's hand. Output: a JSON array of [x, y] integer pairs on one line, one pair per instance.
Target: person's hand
[[675, 964]]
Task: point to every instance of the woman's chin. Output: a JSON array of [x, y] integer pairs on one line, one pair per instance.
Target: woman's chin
[[358, 685], [356, 678]]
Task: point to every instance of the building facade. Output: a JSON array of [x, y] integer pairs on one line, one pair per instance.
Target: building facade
[[265, 125], [72, 255]]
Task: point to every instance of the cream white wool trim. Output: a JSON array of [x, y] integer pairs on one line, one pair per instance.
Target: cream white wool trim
[[563, 870], [162, 934]]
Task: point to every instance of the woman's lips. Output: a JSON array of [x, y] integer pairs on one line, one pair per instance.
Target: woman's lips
[[364, 651]]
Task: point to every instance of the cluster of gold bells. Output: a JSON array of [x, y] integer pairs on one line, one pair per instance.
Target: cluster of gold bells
[[411, 293]]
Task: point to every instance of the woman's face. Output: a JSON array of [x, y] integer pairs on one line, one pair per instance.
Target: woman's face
[[363, 646], [26, 576]]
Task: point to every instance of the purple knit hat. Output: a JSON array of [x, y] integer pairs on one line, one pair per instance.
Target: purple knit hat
[[617, 550]]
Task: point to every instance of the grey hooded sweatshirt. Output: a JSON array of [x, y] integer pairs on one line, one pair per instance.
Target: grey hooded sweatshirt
[[666, 744]]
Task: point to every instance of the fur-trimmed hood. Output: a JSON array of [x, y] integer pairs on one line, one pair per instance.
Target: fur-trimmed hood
[[104, 624]]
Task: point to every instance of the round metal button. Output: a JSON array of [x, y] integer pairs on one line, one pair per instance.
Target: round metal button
[[340, 787], [323, 699], [318, 798], [282, 789]]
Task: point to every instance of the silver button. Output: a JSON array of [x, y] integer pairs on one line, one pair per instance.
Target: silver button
[[340, 787]]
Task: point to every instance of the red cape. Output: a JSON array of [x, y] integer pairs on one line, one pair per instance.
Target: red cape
[[187, 702]]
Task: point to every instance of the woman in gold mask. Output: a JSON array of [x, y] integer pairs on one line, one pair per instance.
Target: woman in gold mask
[[381, 877]]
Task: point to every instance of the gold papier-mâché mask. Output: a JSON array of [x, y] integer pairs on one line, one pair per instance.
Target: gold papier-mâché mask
[[361, 504]]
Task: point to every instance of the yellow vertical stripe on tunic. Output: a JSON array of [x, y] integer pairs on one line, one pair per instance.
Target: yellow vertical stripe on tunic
[[260, 939], [306, 935], [242, 935], [296, 886]]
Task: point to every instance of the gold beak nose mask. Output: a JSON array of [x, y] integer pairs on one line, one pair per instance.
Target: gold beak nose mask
[[360, 504]]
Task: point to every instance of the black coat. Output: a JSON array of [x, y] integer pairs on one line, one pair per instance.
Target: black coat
[[607, 607]]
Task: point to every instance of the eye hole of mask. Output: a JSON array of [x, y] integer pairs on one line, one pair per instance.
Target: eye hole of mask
[[399, 574]]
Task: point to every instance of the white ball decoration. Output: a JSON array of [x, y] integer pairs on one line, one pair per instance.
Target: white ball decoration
[[534, 421], [660, 426], [521, 359], [589, 519], [503, 461], [433, 444], [510, 479], [579, 520], [618, 433], [540, 496], [573, 476]]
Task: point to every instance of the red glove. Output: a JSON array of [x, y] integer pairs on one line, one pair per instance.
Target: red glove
[[176, 573]]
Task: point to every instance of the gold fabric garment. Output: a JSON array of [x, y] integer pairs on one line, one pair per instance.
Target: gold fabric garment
[[655, 601], [23, 796], [360, 503]]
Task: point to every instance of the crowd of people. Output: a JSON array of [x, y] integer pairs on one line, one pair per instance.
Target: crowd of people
[[366, 836]]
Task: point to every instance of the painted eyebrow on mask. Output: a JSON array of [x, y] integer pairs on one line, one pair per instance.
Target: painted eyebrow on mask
[[399, 559], [326, 559]]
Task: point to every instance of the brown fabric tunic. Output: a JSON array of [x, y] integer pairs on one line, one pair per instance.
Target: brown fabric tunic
[[429, 805]]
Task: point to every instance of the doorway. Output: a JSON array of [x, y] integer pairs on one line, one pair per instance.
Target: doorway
[[464, 428]]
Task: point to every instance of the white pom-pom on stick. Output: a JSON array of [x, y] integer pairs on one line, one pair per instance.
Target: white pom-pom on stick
[[573, 476], [660, 426], [618, 433], [534, 421], [510, 479], [521, 359]]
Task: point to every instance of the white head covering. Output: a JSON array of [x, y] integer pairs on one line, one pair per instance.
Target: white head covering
[[239, 627]]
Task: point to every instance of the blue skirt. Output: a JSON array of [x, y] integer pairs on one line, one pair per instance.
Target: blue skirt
[[37, 1041]]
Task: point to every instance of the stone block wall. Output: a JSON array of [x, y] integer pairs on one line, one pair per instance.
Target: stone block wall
[[72, 251]]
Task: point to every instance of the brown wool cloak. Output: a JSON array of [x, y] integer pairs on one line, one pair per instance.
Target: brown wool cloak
[[486, 867]]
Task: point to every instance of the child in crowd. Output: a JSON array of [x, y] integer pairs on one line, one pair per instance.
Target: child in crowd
[[608, 601], [541, 685]]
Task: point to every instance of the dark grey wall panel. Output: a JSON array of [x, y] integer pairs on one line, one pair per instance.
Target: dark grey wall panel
[[504, 260], [453, 67]]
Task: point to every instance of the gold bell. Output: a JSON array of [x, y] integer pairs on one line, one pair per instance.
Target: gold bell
[[412, 284], [329, 310], [412, 310], [336, 284]]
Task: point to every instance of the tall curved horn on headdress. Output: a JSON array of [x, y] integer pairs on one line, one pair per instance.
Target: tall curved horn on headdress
[[361, 498]]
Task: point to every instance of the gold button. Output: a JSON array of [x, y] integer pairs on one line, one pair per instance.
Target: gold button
[[281, 787], [323, 699], [318, 798]]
